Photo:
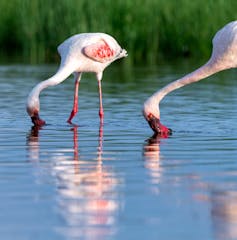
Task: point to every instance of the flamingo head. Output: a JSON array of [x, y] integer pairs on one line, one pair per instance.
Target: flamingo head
[[37, 121], [157, 127], [32, 109], [152, 116], [34, 115]]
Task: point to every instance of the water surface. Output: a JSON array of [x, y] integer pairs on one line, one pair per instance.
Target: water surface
[[114, 181]]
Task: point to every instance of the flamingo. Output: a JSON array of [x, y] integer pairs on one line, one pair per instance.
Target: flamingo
[[85, 52], [224, 56]]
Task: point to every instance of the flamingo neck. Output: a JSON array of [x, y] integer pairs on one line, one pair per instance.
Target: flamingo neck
[[33, 105], [204, 71], [56, 79]]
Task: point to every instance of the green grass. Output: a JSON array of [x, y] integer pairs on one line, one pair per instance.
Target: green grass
[[151, 30]]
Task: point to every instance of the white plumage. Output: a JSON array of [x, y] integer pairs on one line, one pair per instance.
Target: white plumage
[[86, 52], [224, 56]]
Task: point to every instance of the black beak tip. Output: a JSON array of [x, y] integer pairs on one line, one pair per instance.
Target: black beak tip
[[170, 131], [37, 121]]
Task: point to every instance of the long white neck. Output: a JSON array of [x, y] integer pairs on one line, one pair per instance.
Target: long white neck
[[33, 98], [206, 70]]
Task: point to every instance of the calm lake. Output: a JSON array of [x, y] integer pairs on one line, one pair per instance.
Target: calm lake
[[115, 181]]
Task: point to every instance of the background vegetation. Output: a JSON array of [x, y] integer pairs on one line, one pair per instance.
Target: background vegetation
[[150, 30]]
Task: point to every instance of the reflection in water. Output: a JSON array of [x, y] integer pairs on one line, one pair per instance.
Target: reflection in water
[[224, 214], [151, 153], [87, 197], [223, 204], [164, 184], [33, 144]]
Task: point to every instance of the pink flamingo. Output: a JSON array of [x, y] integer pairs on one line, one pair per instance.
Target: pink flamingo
[[86, 52], [224, 56]]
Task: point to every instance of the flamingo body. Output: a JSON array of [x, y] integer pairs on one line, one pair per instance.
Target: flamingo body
[[224, 56], [85, 52]]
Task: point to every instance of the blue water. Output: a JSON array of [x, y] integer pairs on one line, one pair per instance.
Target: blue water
[[115, 181]]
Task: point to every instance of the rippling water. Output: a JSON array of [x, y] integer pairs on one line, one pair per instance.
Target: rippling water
[[115, 181]]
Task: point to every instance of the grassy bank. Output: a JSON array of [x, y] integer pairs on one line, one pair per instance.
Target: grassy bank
[[149, 29]]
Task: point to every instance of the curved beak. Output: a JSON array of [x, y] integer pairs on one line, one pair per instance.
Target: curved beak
[[37, 121], [154, 123], [157, 127]]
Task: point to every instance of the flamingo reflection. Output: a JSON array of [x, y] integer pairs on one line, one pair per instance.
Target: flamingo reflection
[[151, 151], [33, 144], [222, 202], [224, 214], [86, 191]]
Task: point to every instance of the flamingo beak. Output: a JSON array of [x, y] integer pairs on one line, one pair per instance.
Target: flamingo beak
[[157, 127], [154, 124], [37, 121]]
